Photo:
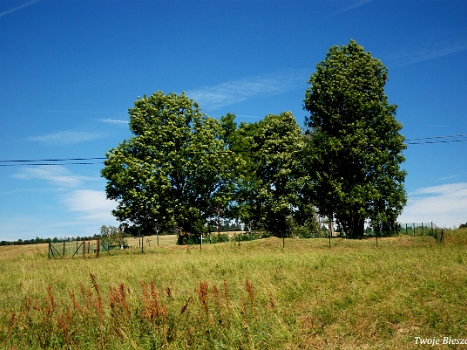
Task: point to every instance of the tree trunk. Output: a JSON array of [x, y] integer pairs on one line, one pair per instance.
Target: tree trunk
[[357, 227]]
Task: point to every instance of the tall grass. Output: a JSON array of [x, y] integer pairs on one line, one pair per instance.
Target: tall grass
[[249, 295]]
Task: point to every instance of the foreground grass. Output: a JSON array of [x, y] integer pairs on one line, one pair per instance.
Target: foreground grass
[[352, 295]]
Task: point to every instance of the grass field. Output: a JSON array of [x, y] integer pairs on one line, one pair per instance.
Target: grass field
[[252, 295]]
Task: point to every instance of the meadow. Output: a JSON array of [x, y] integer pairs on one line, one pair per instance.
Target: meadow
[[252, 295]]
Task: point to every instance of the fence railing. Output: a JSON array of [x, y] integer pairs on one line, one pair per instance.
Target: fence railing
[[94, 248], [82, 249], [414, 229], [421, 229]]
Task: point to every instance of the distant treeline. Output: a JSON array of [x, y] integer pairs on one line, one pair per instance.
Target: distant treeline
[[38, 240], [225, 226]]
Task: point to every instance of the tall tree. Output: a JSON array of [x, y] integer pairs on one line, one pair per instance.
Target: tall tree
[[354, 142], [174, 170], [268, 190]]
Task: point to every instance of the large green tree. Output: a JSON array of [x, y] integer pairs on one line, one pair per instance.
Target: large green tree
[[355, 146], [174, 170], [268, 190]]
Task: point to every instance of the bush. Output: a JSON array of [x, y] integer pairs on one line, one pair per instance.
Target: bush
[[190, 239], [243, 237], [303, 232]]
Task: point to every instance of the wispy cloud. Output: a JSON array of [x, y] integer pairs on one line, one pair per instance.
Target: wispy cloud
[[91, 204], [113, 121], [444, 205], [53, 175], [33, 225], [351, 5], [62, 138], [448, 177], [427, 52], [19, 7], [73, 207], [235, 91]]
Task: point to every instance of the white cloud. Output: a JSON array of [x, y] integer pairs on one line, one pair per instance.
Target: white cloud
[[351, 5], [444, 205], [54, 175], [448, 177], [67, 137], [92, 205], [75, 210], [429, 52], [235, 91], [22, 6], [113, 121]]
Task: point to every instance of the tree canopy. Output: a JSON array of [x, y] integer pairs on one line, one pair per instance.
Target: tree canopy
[[268, 191], [354, 144], [181, 164], [174, 170]]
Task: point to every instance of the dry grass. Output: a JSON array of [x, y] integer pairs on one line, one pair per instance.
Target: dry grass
[[353, 295], [9, 252], [164, 241]]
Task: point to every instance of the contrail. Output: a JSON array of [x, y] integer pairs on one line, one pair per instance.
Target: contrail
[[14, 9]]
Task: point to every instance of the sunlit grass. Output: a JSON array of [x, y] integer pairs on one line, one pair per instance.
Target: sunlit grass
[[256, 294]]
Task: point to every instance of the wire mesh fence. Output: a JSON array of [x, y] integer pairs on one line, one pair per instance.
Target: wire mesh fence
[[95, 248], [420, 229], [82, 249]]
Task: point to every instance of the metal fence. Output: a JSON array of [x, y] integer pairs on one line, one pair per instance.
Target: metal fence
[[82, 249], [420, 229]]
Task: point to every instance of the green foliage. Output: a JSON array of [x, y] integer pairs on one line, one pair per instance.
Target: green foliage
[[174, 170], [354, 145], [111, 235], [207, 239], [268, 192], [181, 164]]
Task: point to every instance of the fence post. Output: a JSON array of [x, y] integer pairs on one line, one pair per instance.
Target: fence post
[[63, 253], [50, 248], [413, 225], [98, 248], [84, 248], [423, 229], [406, 231]]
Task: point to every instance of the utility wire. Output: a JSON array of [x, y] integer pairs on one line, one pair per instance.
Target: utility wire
[[40, 164], [99, 160], [46, 160], [438, 139]]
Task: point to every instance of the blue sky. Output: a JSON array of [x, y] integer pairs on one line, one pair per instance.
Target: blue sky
[[70, 69]]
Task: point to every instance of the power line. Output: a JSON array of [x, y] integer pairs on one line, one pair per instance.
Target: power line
[[47, 160], [54, 161], [100, 160], [41, 164], [438, 139]]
